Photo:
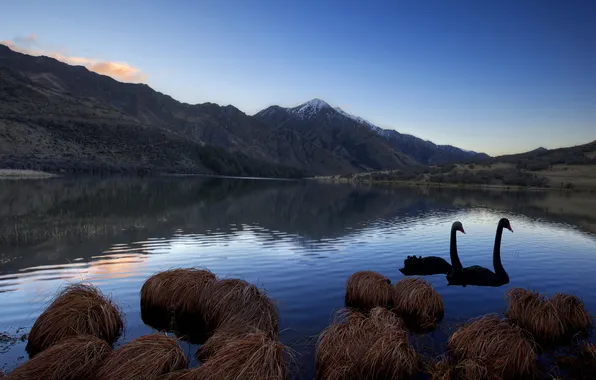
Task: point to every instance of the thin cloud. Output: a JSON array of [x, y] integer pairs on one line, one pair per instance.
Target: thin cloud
[[117, 70]]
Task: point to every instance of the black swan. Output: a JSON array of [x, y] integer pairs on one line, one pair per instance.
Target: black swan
[[426, 266], [477, 275]]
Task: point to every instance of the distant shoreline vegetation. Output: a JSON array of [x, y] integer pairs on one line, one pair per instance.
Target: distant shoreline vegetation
[[486, 175]]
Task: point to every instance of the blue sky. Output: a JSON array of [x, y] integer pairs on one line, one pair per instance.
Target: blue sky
[[493, 76]]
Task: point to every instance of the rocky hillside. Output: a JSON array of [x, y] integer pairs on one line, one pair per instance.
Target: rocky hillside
[[58, 116], [42, 128]]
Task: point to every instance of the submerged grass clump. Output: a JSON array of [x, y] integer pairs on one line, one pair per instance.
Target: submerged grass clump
[[490, 342], [252, 356], [418, 304], [577, 320], [73, 358], [550, 321], [170, 297], [146, 357], [79, 309], [366, 347], [367, 289], [235, 301]]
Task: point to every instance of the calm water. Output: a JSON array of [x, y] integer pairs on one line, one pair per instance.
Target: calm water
[[299, 240]]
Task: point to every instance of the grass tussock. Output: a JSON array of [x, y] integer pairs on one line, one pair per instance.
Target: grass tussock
[[418, 304], [253, 356], [146, 357], [550, 321], [165, 295], [235, 301], [575, 317], [79, 309], [73, 358], [367, 289], [185, 374], [232, 330], [366, 347], [445, 369], [490, 342]]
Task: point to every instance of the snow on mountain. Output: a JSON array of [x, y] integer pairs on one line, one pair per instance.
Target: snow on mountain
[[309, 109], [423, 150]]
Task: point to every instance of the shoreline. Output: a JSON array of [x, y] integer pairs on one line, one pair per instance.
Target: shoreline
[[453, 185], [14, 174]]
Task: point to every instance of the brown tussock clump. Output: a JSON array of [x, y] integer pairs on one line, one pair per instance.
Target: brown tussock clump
[[445, 369], [490, 342], [79, 309], [367, 289], [572, 311], [253, 356], [366, 347], [418, 303], [146, 357], [236, 301], [231, 330], [73, 358], [535, 314], [550, 321], [165, 296], [184, 374]]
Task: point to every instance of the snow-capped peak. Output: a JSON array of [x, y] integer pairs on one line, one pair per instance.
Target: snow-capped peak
[[309, 109]]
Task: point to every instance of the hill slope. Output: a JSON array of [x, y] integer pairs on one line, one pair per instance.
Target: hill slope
[[329, 141], [45, 129]]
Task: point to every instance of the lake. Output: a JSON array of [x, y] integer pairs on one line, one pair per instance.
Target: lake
[[300, 240]]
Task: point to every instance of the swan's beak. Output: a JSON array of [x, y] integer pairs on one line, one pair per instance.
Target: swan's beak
[[509, 228], [462, 231]]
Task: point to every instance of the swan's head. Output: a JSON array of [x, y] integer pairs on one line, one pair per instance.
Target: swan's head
[[457, 226], [505, 224]]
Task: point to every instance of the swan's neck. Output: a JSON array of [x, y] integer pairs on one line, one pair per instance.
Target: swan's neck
[[497, 253], [455, 263]]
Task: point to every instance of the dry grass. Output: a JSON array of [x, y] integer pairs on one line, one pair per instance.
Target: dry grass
[[490, 342], [79, 309], [367, 289], [185, 374], [253, 356], [535, 314], [366, 347], [233, 301], [418, 303], [444, 369], [146, 357], [550, 321], [575, 317], [165, 296], [230, 331], [73, 358]]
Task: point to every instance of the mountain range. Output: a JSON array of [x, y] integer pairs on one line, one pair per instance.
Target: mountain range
[[54, 116]]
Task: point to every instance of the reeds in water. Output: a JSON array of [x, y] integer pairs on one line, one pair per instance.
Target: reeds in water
[[235, 301], [79, 309], [367, 289], [418, 304], [170, 297], [147, 357], [367, 347], [490, 343], [73, 358], [550, 321], [252, 356]]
